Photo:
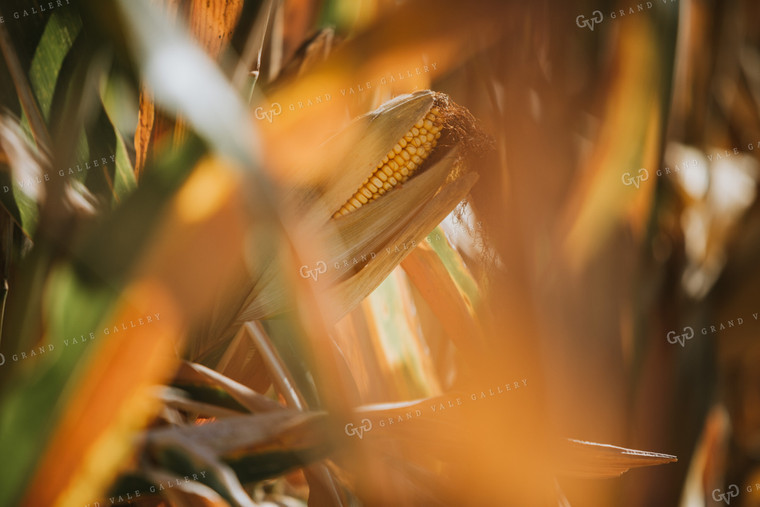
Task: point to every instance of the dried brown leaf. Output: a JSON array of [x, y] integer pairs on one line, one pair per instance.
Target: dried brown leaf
[[594, 460]]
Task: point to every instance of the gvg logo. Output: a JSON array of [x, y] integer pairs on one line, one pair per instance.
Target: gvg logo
[[597, 17], [358, 431], [629, 180], [314, 273], [733, 492], [261, 114], [688, 334]]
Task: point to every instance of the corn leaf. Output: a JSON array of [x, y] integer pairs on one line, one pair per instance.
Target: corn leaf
[[591, 459]]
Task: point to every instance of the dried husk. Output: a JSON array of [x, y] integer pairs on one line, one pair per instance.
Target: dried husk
[[366, 239]]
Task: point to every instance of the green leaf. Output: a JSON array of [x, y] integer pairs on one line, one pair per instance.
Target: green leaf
[[21, 206], [61, 30], [455, 266], [78, 297], [57, 39], [124, 175], [30, 410]]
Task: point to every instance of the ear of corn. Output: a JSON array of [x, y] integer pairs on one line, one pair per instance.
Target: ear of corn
[[367, 230], [365, 244], [400, 163], [346, 160]]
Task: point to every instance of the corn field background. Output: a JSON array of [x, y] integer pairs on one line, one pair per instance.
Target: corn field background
[[379, 253]]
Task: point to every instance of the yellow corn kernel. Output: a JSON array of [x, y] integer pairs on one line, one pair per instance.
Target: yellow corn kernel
[[400, 163]]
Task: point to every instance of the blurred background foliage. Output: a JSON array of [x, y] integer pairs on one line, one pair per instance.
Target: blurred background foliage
[[173, 159]]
